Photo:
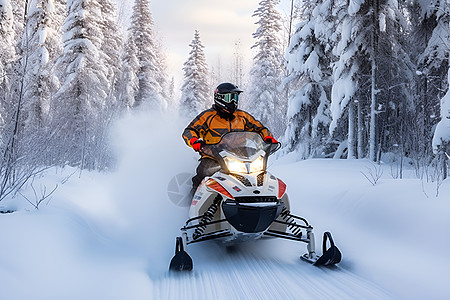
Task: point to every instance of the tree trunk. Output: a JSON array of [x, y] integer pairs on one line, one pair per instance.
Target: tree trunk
[[291, 19], [372, 132], [443, 161], [351, 131], [360, 131], [373, 92]]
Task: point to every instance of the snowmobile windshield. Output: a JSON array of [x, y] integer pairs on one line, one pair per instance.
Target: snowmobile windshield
[[242, 144]]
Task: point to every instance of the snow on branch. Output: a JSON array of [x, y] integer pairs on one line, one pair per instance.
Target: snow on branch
[[442, 132]]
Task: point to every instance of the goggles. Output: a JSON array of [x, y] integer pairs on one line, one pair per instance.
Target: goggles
[[230, 97]]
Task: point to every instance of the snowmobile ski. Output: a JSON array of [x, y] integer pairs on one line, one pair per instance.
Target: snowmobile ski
[[181, 261], [330, 256]]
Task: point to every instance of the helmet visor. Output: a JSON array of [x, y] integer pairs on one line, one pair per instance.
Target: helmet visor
[[230, 97]]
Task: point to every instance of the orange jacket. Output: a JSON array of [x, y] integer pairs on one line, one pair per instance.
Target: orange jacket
[[209, 126]]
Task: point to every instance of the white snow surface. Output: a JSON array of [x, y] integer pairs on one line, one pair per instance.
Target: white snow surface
[[112, 235]]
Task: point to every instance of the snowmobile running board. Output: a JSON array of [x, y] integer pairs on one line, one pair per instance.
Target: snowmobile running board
[[331, 256], [186, 227], [282, 235], [212, 236]]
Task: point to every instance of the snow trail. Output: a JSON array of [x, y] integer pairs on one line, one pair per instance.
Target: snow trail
[[258, 270], [111, 236], [247, 275]]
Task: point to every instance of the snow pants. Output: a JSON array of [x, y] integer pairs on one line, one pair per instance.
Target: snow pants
[[206, 167]]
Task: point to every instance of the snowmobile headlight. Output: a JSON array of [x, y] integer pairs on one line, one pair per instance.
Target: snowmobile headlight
[[235, 166], [257, 165]]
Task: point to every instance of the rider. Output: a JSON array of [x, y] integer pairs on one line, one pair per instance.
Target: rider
[[211, 124]]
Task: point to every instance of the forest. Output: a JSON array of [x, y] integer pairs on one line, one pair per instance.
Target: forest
[[363, 79]]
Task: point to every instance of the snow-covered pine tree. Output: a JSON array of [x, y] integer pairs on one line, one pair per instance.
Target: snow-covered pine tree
[[431, 40], [442, 132], [434, 59], [395, 84], [7, 56], [151, 75], [441, 138], [111, 46], [195, 91], [237, 68], [41, 44], [84, 88], [171, 95], [129, 80], [370, 54], [61, 12], [17, 157], [9, 109], [264, 100], [343, 77], [308, 65], [19, 8], [162, 78]]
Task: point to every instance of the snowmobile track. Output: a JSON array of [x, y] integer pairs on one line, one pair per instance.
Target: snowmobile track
[[247, 276]]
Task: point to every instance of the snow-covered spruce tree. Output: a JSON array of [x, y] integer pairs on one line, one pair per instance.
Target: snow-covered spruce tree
[[172, 88], [308, 65], [441, 138], [161, 75], [129, 80], [395, 83], [151, 73], [264, 100], [40, 44], [238, 72], [84, 87], [19, 8], [430, 40], [195, 91], [7, 56], [370, 54], [61, 12], [111, 46], [18, 155], [344, 77], [433, 61]]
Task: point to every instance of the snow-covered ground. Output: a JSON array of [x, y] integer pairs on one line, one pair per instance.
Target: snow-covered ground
[[111, 235]]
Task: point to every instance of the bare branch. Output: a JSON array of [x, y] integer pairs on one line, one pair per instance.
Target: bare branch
[[38, 199], [374, 173]]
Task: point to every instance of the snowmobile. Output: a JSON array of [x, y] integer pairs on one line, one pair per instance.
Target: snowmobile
[[242, 201]]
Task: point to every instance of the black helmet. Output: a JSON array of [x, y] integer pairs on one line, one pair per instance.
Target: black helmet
[[226, 97]]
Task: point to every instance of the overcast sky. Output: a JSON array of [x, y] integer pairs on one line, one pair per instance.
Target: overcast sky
[[221, 24]]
